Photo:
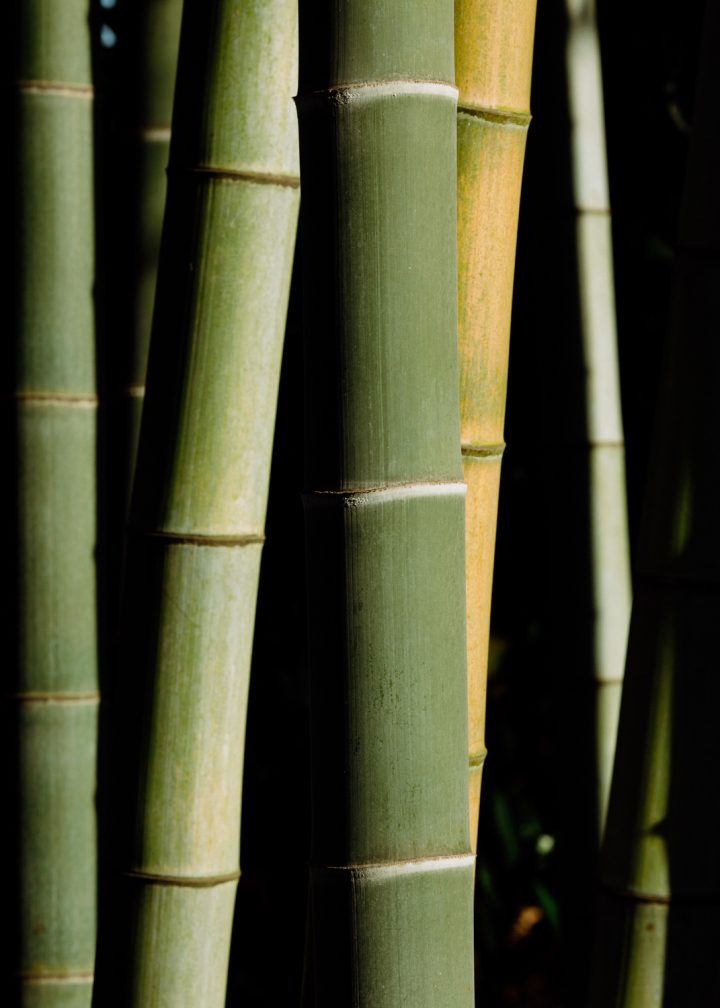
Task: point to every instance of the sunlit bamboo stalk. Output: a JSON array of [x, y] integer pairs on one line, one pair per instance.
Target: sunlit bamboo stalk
[[608, 532], [196, 526], [493, 60]]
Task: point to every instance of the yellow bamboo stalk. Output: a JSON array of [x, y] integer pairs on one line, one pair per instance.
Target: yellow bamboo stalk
[[493, 63]]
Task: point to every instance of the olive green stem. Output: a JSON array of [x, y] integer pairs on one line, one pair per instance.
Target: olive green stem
[[51, 692], [199, 499], [391, 869]]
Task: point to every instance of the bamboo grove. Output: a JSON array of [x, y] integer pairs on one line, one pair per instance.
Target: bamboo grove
[[171, 165]]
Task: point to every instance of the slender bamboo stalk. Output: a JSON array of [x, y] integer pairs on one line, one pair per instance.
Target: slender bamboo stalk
[[151, 44], [658, 932], [609, 541], [200, 494], [493, 61], [53, 687], [391, 875]]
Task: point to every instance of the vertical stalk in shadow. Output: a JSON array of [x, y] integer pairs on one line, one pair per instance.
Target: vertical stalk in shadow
[[493, 61], [52, 690], [391, 873], [659, 930], [149, 61]]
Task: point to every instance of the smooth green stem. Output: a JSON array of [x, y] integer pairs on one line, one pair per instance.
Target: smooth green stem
[[391, 871], [51, 692], [198, 511]]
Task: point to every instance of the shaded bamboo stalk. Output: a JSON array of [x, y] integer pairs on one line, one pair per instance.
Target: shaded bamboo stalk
[[493, 60], [199, 499], [53, 688], [609, 547], [391, 870], [659, 928], [151, 50]]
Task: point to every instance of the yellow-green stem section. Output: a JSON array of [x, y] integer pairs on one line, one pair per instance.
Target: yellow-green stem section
[[493, 62]]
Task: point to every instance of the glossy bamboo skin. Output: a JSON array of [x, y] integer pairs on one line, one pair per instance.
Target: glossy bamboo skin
[[51, 689], [493, 60], [391, 872], [609, 546], [659, 932], [199, 500]]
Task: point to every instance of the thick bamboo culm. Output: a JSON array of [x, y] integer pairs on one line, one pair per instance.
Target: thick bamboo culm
[[151, 62], [609, 540], [391, 868], [199, 499], [659, 931], [53, 688], [493, 61]]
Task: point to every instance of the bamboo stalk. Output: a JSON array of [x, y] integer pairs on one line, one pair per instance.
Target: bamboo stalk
[[150, 63], [609, 540], [391, 870], [658, 931], [199, 499], [52, 691], [494, 41]]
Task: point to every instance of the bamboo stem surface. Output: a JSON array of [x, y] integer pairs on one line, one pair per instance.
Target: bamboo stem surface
[[391, 870], [609, 541], [51, 692], [493, 59], [199, 499], [151, 64], [658, 931]]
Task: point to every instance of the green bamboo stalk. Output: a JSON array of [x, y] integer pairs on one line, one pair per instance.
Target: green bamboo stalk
[[152, 40], [198, 510], [391, 872], [609, 540], [493, 61], [658, 932], [53, 687]]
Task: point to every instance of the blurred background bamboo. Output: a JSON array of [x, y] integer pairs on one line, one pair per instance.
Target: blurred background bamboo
[[660, 876]]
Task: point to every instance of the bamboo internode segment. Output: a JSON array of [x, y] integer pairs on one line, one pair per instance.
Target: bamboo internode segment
[[50, 430], [391, 882], [493, 61], [609, 547], [199, 498], [147, 78], [660, 868]]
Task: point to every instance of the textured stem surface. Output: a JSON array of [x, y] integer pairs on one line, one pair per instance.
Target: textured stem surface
[[51, 691], [391, 874], [199, 499], [659, 929], [493, 59]]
